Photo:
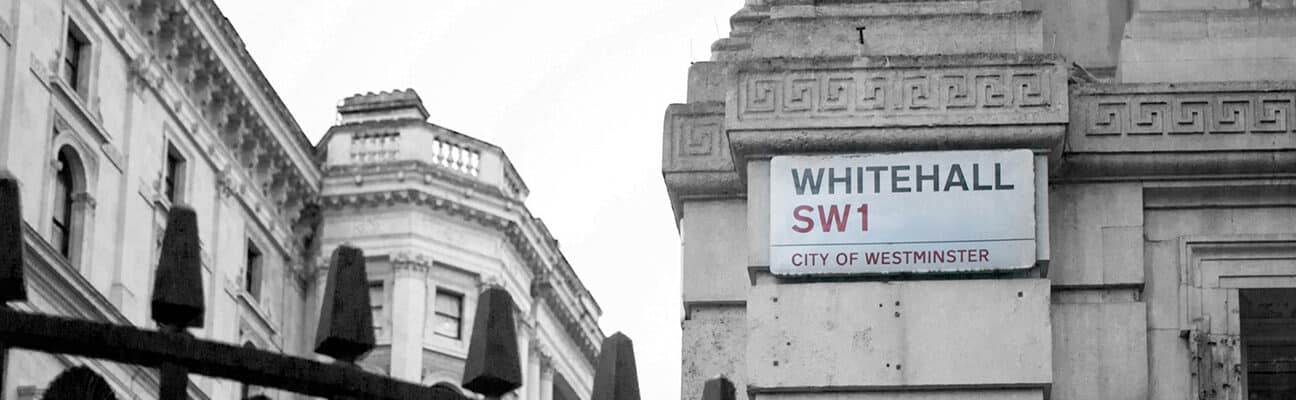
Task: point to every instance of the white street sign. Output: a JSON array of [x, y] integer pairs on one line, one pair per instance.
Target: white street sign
[[913, 212]]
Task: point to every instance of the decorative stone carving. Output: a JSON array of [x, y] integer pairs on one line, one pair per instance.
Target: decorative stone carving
[[913, 92], [1157, 117], [410, 263]]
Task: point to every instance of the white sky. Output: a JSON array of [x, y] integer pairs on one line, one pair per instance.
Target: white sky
[[573, 90]]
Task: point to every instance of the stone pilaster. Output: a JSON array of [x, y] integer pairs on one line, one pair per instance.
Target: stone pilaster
[[546, 377], [531, 382], [408, 315]]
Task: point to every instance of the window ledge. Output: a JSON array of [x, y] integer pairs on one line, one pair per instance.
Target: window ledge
[[262, 318], [83, 110]]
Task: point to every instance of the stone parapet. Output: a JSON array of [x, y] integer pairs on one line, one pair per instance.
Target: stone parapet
[[827, 29]]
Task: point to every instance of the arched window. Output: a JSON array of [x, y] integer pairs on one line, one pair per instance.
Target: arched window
[[64, 188]]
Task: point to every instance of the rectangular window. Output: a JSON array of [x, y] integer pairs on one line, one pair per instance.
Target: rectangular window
[[252, 276], [376, 306], [1268, 319], [75, 52], [449, 314], [173, 175]]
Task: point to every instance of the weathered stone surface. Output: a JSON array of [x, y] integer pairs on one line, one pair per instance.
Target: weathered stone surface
[[695, 153], [715, 343], [715, 268], [1099, 349], [806, 29], [898, 334], [1097, 236], [177, 286], [1203, 45]]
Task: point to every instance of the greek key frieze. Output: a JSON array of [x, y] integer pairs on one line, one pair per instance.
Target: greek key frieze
[[1190, 113], [892, 92]]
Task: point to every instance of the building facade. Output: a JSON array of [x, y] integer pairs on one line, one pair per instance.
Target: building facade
[[114, 111], [440, 214], [1160, 243]]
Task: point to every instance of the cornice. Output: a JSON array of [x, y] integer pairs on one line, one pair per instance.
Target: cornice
[[515, 233], [172, 57], [410, 263]]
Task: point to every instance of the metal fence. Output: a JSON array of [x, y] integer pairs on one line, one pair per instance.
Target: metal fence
[[344, 334]]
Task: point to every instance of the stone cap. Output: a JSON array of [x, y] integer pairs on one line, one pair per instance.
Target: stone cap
[[385, 102]]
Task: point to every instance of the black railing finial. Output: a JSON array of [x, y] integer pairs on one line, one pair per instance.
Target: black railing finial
[[346, 321], [616, 377], [177, 285], [11, 240], [718, 388], [493, 368]]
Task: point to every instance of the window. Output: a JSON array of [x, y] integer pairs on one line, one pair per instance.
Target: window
[[75, 52], [63, 189], [252, 277], [173, 175], [1268, 319], [449, 314], [376, 305]]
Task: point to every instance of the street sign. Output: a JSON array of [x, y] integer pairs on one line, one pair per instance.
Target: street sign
[[917, 212]]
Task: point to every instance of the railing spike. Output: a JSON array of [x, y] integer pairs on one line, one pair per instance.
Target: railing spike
[[616, 377], [346, 323], [177, 286], [12, 287], [718, 388], [493, 367]]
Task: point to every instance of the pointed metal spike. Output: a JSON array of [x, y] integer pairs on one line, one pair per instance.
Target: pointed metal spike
[[719, 388], [493, 367], [11, 240], [616, 377], [346, 321], [177, 285]]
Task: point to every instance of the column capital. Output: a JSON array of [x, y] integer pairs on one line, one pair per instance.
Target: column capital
[[409, 263], [84, 199]]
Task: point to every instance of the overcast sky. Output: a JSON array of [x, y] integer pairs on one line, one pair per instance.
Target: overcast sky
[[573, 90]]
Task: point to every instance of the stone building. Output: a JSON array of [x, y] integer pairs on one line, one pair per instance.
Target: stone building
[[439, 214], [114, 111], [1154, 143]]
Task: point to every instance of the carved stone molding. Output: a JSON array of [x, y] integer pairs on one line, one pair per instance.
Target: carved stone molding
[[899, 103], [1184, 117], [1221, 128], [410, 263], [919, 91]]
